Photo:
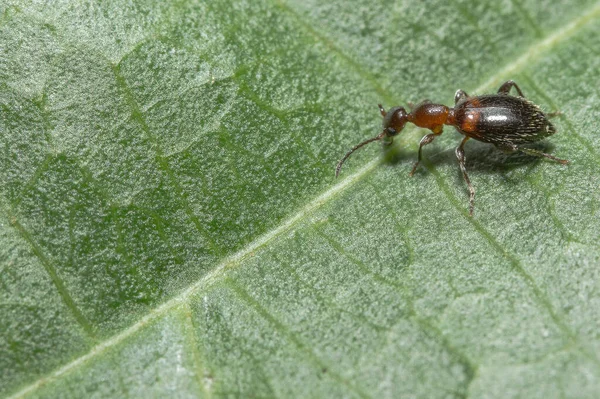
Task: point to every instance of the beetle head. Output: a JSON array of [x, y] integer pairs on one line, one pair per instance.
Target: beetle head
[[393, 123], [393, 120]]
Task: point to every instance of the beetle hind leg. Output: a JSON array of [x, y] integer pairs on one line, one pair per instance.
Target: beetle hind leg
[[553, 114], [530, 151], [509, 84], [537, 153], [460, 155]]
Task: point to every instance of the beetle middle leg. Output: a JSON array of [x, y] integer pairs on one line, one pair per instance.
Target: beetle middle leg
[[509, 84], [424, 141], [460, 154]]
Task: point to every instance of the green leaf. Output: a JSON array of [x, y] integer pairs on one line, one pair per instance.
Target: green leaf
[[170, 225]]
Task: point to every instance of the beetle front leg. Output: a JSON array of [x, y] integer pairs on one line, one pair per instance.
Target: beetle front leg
[[424, 141], [509, 84], [460, 154]]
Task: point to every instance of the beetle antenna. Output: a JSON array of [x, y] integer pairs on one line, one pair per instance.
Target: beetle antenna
[[356, 147]]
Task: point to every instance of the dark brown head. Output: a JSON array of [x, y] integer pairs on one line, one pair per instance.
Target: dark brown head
[[393, 120], [393, 123]]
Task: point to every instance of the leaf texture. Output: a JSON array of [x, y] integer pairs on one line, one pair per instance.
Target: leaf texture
[[170, 225]]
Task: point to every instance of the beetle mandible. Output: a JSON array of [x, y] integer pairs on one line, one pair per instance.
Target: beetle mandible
[[501, 119]]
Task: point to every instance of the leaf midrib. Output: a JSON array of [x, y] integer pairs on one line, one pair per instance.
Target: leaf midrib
[[533, 52]]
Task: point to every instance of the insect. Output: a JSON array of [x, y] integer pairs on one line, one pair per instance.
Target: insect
[[501, 119]]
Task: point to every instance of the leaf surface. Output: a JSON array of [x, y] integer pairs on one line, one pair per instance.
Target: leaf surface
[[170, 225]]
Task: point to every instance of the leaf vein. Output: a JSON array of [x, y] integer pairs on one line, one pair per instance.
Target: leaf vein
[[335, 50], [291, 336], [540, 296], [162, 160], [527, 17], [58, 283], [330, 304], [534, 51], [361, 265], [194, 343], [548, 99]]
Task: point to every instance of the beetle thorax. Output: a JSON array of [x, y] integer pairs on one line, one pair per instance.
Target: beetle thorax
[[428, 115]]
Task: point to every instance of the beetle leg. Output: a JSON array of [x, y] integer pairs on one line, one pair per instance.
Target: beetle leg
[[553, 114], [507, 147], [509, 84], [530, 151], [460, 154], [424, 141], [459, 96]]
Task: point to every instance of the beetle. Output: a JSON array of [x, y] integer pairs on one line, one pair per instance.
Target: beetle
[[504, 120]]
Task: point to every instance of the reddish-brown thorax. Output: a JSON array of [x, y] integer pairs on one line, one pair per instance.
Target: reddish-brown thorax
[[431, 116]]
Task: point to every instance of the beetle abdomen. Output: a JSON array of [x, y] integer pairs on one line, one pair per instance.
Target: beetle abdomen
[[502, 118]]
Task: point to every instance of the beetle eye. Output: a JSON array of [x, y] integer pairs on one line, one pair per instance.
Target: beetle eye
[[391, 131]]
